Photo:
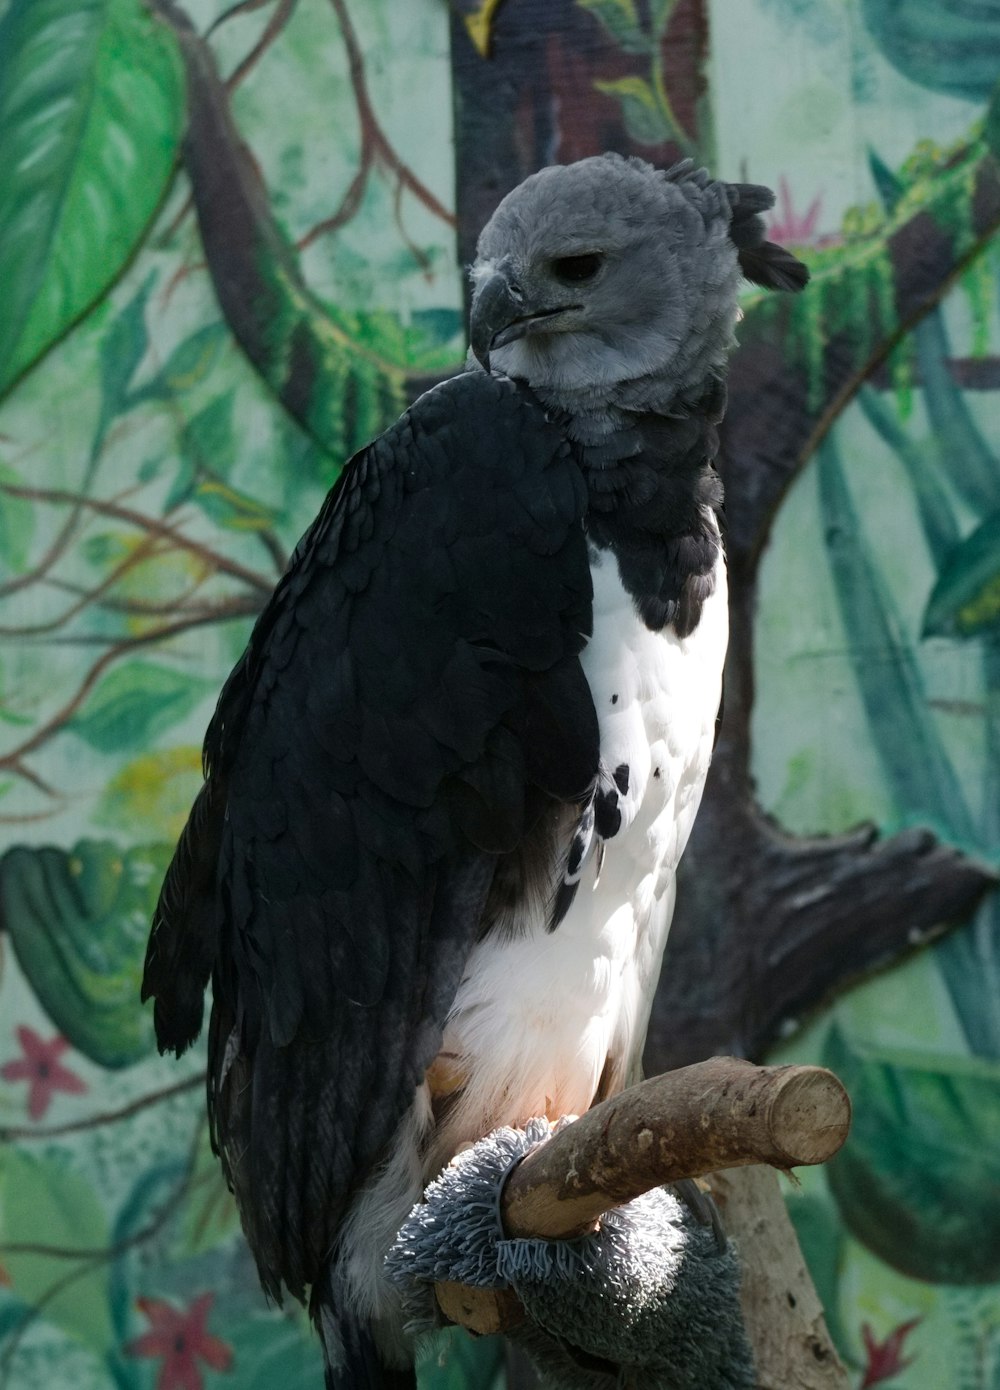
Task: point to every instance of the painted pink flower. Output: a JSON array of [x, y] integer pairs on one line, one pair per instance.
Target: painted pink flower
[[787, 225], [179, 1338], [885, 1358], [39, 1065]]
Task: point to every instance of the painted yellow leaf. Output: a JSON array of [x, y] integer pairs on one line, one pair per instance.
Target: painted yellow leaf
[[480, 23], [146, 574], [229, 507], [153, 794]]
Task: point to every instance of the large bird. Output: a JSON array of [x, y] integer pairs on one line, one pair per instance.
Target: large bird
[[431, 871]]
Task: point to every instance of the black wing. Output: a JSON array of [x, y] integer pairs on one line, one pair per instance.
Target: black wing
[[410, 704]]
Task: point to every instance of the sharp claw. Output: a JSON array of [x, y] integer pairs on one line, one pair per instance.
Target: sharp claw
[[701, 1206]]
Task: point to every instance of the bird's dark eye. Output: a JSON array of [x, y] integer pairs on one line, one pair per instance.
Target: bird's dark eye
[[573, 270]]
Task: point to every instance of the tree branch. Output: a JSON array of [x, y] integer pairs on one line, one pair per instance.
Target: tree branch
[[373, 136], [280, 16], [11, 761], [86, 596], [145, 523], [722, 1113], [717, 1115]]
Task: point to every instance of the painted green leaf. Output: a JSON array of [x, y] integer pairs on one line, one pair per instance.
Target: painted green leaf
[[48, 1204], [183, 483], [661, 12], [14, 1312], [922, 461], [156, 1190], [946, 45], [274, 1351], [207, 453], [643, 117], [91, 105], [916, 1181], [9, 700], [913, 758], [189, 363], [134, 704], [968, 459], [888, 183], [209, 434], [621, 20], [965, 600], [78, 923], [122, 349], [17, 523]]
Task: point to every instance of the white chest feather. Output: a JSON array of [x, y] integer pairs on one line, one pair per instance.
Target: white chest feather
[[544, 1019]]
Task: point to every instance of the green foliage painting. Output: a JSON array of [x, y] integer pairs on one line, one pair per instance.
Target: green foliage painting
[[229, 248], [157, 464]]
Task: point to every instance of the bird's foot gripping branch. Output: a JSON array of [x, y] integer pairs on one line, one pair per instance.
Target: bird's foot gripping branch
[[566, 1240]]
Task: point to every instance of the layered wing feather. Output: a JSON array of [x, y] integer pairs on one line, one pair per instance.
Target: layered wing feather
[[409, 708]]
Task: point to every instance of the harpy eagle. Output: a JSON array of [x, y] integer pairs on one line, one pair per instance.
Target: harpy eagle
[[431, 870]]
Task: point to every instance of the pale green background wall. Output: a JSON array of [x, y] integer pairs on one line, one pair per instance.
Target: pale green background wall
[[151, 483]]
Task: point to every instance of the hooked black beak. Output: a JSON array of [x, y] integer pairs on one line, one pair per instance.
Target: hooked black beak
[[500, 316]]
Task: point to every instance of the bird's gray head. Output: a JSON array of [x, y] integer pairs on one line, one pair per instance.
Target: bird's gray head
[[607, 271]]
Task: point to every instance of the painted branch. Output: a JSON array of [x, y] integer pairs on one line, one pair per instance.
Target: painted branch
[[723, 1113], [765, 933]]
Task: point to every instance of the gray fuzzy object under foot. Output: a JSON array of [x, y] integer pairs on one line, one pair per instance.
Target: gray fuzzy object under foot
[[647, 1301]]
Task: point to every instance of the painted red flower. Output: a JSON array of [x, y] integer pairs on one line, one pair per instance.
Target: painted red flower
[[44, 1073], [178, 1335], [885, 1358], [797, 228]]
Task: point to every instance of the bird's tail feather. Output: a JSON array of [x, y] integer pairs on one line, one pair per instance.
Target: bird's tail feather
[[351, 1358]]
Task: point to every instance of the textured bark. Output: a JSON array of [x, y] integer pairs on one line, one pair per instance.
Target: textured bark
[[721, 1113], [784, 1319]]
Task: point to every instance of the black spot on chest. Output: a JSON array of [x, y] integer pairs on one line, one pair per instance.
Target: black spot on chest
[[607, 813]]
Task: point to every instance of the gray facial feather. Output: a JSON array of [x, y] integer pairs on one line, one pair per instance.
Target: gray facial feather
[[658, 316]]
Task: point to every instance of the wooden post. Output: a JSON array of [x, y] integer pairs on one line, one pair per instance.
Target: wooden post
[[781, 1310]]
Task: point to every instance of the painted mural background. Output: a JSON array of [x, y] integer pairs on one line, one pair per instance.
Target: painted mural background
[[186, 356]]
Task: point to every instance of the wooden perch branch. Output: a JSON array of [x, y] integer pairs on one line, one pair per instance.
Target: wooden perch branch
[[723, 1113]]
